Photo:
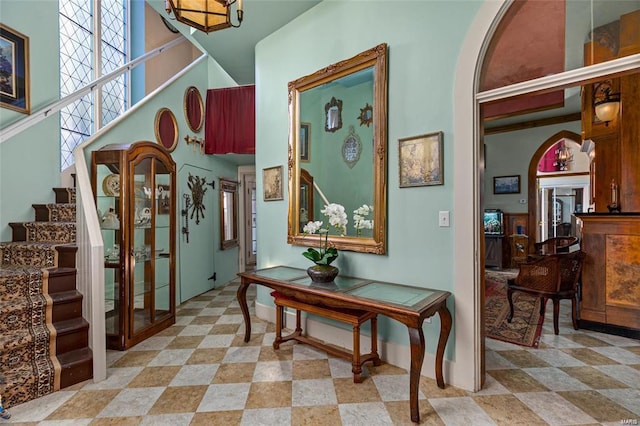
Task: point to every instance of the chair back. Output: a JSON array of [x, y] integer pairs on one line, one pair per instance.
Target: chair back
[[555, 245], [570, 266], [553, 273]]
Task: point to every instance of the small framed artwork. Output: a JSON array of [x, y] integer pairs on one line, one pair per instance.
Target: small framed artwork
[[506, 184], [14, 70], [272, 183], [305, 142], [421, 160], [164, 199]]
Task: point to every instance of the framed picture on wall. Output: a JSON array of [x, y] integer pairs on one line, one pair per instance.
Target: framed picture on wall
[[272, 183], [14, 81], [506, 184], [421, 160], [305, 142]]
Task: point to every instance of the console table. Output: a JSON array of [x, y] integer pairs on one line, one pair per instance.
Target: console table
[[407, 304]]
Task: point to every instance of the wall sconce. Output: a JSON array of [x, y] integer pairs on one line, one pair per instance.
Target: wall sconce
[[205, 15], [563, 157], [608, 107], [195, 141]]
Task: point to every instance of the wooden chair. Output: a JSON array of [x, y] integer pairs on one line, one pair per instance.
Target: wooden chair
[[555, 245], [552, 277]]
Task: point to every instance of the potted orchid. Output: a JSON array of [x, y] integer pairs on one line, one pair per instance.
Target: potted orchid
[[322, 271]]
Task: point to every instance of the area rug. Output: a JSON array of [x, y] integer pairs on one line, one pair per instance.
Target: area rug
[[526, 326]]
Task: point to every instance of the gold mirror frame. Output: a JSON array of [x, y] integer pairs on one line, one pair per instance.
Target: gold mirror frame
[[161, 122], [192, 92], [228, 219], [376, 58]]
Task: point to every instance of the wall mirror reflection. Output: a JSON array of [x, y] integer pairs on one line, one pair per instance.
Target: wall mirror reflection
[[326, 178], [228, 213]]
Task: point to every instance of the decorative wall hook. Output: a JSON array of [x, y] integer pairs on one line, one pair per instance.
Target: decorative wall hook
[[195, 141]]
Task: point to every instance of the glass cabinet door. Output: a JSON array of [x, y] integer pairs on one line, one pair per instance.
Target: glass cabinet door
[[162, 240], [133, 187]]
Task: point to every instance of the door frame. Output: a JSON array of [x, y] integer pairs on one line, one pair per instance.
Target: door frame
[[468, 157], [243, 171]]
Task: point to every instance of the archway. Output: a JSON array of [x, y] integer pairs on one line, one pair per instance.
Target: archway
[[468, 176], [533, 171]]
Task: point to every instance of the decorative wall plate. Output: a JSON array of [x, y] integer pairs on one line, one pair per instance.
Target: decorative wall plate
[[111, 185], [351, 148]]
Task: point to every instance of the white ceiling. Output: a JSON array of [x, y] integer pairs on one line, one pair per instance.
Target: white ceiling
[[233, 48]]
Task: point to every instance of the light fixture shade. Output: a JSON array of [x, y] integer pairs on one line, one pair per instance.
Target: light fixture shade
[[608, 110], [205, 15]]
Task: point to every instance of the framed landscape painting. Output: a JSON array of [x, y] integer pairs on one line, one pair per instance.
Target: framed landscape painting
[[421, 161], [14, 70], [506, 184], [272, 183]]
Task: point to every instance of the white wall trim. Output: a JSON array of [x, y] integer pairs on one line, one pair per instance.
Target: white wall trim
[[391, 353], [242, 249]]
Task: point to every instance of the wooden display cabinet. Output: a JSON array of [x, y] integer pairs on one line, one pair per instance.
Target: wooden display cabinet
[[134, 189]]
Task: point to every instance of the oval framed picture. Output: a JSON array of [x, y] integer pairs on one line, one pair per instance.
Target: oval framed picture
[[193, 109], [166, 128]]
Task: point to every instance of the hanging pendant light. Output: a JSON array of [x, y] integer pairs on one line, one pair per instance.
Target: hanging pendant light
[[205, 15]]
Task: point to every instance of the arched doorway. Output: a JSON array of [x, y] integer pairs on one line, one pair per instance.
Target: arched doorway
[[468, 175], [533, 198]]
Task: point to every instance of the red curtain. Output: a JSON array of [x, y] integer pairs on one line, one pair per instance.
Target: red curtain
[[547, 161], [230, 124]]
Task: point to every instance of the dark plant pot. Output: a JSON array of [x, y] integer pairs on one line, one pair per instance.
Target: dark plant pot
[[322, 273]]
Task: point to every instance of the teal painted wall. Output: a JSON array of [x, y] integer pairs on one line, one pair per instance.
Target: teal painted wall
[[423, 39], [29, 162], [140, 126]]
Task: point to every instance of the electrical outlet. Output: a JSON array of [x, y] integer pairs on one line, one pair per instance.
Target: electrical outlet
[[443, 218], [522, 201]]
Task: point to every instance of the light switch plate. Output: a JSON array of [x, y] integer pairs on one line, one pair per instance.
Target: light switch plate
[[443, 218]]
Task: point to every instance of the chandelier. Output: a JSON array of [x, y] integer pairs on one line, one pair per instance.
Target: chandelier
[[205, 15], [563, 157]]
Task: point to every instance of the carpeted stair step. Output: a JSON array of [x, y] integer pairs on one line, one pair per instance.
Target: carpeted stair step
[[44, 255], [59, 232], [77, 366], [20, 385], [72, 334], [66, 305], [65, 195], [55, 212], [16, 282]]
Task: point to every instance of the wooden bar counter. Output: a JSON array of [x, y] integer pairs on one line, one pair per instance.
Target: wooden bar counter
[[610, 292]]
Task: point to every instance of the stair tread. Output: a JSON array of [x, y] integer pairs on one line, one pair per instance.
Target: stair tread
[[77, 355], [70, 325], [65, 296]]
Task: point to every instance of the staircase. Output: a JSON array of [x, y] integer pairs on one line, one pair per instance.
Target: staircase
[[43, 337]]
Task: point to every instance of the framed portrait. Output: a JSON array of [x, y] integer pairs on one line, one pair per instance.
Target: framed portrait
[[305, 142], [14, 70], [272, 183], [421, 160], [506, 184], [164, 199]]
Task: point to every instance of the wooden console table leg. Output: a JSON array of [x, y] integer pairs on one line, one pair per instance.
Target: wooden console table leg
[[242, 301], [356, 365], [445, 329], [298, 322], [279, 315], [374, 341], [416, 340]]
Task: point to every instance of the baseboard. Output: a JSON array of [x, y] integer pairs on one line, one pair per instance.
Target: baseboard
[[390, 352]]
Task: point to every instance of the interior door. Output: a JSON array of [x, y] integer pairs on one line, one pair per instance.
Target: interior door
[[196, 254]]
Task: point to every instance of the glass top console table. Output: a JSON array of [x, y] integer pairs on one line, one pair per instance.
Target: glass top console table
[[406, 304]]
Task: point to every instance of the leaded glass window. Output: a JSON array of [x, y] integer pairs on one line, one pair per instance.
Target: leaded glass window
[[80, 64]]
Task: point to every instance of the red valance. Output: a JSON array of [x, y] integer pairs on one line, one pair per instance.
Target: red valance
[[230, 125]]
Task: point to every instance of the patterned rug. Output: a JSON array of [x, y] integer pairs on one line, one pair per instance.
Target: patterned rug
[[526, 326]]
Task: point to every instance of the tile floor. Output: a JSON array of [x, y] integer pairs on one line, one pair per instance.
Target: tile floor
[[201, 372]]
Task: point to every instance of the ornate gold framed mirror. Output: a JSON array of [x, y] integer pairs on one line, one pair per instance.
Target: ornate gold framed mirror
[[327, 176], [193, 109], [166, 128]]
